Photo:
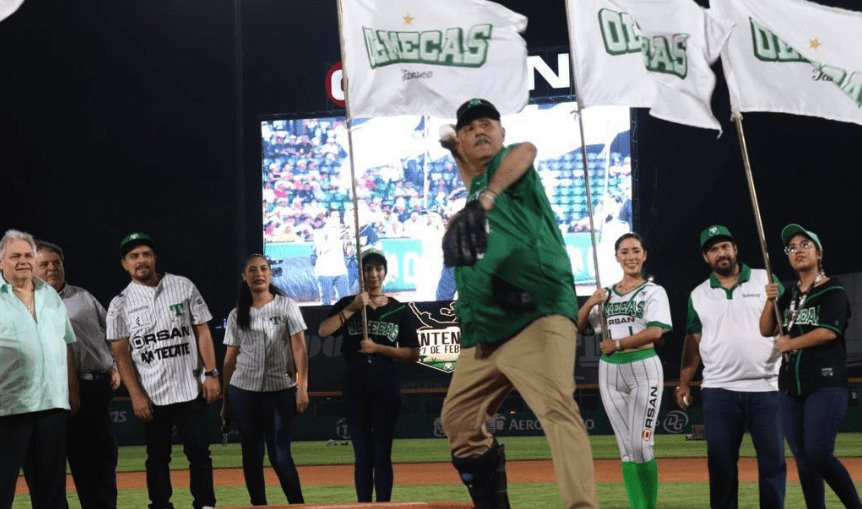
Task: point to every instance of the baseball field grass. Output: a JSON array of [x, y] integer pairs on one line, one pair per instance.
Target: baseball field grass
[[681, 495]]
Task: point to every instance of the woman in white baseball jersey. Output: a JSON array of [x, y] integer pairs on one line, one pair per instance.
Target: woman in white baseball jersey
[[636, 314], [266, 370]]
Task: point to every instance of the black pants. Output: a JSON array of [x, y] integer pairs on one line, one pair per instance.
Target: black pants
[[190, 418], [266, 417], [39, 439], [371, 417], [92, 447]]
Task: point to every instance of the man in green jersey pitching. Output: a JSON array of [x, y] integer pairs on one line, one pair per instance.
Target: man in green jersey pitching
[[517, 310]]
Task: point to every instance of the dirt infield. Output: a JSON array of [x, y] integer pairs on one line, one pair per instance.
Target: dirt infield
[[541, 471]]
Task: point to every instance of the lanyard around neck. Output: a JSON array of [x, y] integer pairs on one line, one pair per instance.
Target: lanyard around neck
[[799, 299]]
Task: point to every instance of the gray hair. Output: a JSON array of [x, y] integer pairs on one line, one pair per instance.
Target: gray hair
[[11, 235], [44, 245]]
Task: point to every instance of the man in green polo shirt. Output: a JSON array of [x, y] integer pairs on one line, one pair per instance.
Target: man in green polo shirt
[[517, 310], [38, 382]]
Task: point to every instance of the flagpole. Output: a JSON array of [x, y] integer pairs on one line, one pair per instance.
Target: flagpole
[[349, 116], [580, 116], [743, 147]]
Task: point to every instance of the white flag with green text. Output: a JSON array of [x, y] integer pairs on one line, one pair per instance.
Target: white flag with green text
[[792, 56], [647, 53], [429, 56]]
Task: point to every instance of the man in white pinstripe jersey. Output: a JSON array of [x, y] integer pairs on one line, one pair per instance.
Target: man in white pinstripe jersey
[[161, 340]]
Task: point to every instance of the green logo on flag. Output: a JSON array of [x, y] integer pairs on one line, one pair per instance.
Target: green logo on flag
[[662, 54], [449, 47], [768, 47]]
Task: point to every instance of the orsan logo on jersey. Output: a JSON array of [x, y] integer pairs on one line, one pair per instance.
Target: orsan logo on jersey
[[150, 353], [139, 342], [450, 47], [661, 53]]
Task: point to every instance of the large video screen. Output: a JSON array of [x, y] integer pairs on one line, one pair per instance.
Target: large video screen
[[408, 187]]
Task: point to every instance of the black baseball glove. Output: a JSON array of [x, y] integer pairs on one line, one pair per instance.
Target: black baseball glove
[[466, 236]]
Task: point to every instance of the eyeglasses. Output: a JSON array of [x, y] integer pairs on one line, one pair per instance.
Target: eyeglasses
[[792, 248]]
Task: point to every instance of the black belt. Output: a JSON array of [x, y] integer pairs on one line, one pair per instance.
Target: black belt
[[92, 376]]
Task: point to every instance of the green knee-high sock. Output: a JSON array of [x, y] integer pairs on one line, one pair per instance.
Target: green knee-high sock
[[631, 479], [648, 476]]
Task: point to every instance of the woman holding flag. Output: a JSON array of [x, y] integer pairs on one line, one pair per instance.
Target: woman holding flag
[[372, 388], [813, 378]]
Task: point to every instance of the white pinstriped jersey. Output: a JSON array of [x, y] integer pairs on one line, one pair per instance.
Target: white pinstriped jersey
[[158, 321], [629, 313], [265, 360]]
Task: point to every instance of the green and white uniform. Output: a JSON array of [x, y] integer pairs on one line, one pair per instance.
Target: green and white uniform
[[631, 385]]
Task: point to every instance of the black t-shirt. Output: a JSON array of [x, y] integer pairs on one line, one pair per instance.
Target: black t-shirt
[[391, 325], [806, 370]]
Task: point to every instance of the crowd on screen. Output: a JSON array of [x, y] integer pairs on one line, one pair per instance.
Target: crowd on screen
[[306, 178]]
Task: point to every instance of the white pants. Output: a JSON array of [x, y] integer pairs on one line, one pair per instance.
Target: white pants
[[631, 390]]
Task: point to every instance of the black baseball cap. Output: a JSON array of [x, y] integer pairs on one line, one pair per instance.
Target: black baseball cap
[[376, 254], [714, 232], [473, 109], [134, 240]]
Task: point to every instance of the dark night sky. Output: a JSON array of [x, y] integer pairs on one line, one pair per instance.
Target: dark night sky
[[121, 115]]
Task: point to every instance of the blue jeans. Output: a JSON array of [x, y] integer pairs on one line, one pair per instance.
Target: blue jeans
[[726, 415], [371, 417], [266, 417], [811, 423], [446, 284], [190, 419]]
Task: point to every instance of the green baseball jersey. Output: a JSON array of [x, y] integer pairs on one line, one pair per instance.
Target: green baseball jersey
[[525, 273], [630, 313]]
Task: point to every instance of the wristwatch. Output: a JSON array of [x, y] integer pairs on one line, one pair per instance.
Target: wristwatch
[[213, 373]]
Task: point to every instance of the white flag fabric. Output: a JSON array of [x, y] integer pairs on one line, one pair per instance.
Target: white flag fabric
[[407, 57], [8, 7], [649, 54], [792, 56]]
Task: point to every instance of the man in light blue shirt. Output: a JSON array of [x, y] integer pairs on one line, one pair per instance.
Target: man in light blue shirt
[[38, 383]]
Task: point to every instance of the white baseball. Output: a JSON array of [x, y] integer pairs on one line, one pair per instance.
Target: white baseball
[[686, 400], [447, 132]]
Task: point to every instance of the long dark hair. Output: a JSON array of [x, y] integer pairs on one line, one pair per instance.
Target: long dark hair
[[629, 235], [243, 298], [637, 237]]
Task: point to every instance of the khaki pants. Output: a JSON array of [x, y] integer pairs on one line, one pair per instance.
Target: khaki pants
[[539, 363]]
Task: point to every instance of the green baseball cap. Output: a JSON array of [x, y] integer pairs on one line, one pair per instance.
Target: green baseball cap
[[373, 252], [713, 232], [133, 240], [792, 229]]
